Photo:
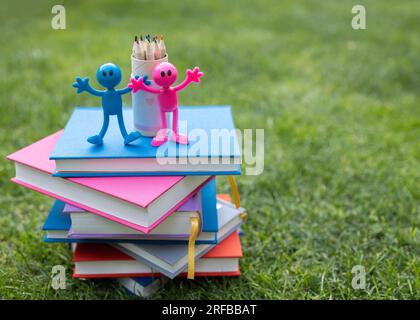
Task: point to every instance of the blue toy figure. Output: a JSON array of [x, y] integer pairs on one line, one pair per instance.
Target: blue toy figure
[[109, 76]]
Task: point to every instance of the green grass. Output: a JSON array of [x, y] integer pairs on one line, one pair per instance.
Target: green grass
[[340, 109]]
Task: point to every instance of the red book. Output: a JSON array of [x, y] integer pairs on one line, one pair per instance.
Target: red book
[[104, 261]]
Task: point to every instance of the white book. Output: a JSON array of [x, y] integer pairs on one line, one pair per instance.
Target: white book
[[177, 226]]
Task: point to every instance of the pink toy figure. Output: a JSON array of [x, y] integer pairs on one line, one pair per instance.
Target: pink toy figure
[[164, 75]]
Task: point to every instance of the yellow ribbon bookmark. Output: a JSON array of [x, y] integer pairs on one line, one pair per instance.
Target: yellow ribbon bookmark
[[191, 245], [234, 188]]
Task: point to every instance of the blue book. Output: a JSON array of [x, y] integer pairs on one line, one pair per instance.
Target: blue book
[[142, 286], [58, 223], [209, 207], [213, 147]]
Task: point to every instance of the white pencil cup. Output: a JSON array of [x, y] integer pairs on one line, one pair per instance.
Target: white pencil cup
[[146, 109]]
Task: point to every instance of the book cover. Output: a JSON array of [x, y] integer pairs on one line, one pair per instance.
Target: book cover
[[72, 150], [57, 219], [208, 207]]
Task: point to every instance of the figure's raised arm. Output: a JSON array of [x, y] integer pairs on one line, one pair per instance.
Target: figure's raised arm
[[192, 76], [124, 91], [129, 88], [141, 84], [83, 85]]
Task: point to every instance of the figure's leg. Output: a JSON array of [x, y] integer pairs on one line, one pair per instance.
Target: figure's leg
[[98, 139], [165, 126], [177, 137], [127, 137], [104, 126], [161, 136]]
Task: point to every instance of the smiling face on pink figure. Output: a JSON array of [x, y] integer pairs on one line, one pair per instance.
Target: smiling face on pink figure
[[165, 74]]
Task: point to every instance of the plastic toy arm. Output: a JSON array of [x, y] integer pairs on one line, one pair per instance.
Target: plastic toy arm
[[124, 91], [83, 85], [141, 84], [128, 89], [192, 76]]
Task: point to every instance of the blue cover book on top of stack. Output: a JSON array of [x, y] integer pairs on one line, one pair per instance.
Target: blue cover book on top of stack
[[213, 148]]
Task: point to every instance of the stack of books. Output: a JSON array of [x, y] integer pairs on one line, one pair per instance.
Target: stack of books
[[137, 213]]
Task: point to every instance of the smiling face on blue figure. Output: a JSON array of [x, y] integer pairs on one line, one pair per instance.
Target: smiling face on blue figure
[[108, 75]]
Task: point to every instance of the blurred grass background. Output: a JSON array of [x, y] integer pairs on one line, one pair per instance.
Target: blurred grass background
[[340, 109]]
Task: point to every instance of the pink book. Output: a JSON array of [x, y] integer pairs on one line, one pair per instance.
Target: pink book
[[141, 203]]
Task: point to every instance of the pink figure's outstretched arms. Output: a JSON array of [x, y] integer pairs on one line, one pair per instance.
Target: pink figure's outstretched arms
[[137, 85], [164, 75], [192, 76]]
